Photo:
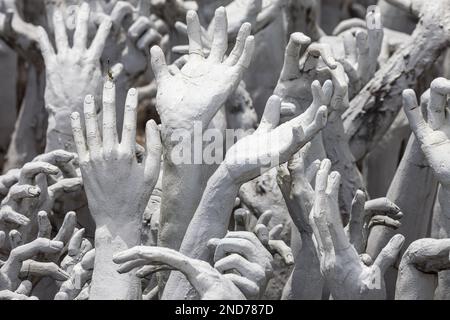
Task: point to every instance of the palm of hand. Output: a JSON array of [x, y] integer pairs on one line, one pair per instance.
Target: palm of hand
[[187, 88], [361, 282], [72, 72], [100, 185], [73, 75], [202, 86], [258, 151], [296, 91]]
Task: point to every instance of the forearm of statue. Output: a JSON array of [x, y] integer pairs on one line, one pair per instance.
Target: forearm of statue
[[210, 221], [337, 147], [306, 281], [416, 205], [178, 205], [107, 283]]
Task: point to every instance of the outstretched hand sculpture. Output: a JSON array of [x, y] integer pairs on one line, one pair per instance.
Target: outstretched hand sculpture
[[106, 165], [71, 73]]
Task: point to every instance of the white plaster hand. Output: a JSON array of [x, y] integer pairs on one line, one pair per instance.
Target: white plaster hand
[[432, 134], [345, 274], [208, 281], [201, 87], [117, 186], [272, 144]]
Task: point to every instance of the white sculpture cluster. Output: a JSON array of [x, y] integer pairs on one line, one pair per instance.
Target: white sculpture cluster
[[321, 187]]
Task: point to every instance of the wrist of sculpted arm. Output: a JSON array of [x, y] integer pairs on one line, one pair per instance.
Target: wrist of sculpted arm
[[337, 142], [107, 283], [210, 220], [178, 206], [212, 216], [305, 281]]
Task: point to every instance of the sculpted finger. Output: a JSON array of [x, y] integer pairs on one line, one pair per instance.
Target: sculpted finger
[[389, 254], [78, 137], [24, 288], [262, 232], [232, 245], [31, 169], [141, 25], [271, 117], [75, 242], [120, 11], [88, 260], [31, 268], [292, 56], [220, 40], [384, 221], [158, 62], [243, 34], [61, 40], [48, 53], [194, 33], [128, 141], [151, 37], [92, 131], [324, 51], [130, 265], [383, 205], [265, 217], [439, 90], [11, 216], [61, 159], [15, 239], [21, 191], [9, 295], [319, 122], [248, 288], [280, 247], [355, 226], [64, 186], [2, 238], [81, 29], [67, 228], [421, 129], [146, 271], [98, 44], [110, 139], [275, 232], [19, 254], [153, 152], [235, 262], [246, 56], [311, 171], [44, 225], [241, 217]]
